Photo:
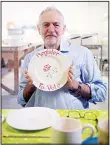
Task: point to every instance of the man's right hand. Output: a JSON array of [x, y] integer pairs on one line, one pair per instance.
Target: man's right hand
[[28, 78], [30, 88]]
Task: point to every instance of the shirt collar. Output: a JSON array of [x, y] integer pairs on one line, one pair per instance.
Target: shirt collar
[[64, 47]]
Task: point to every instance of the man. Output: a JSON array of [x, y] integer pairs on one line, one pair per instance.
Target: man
[[84, 83]]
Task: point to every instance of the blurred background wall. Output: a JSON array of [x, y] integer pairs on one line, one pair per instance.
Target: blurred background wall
[[80, 17]]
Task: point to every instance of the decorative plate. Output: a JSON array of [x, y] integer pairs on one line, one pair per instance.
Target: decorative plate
[[48, 69]]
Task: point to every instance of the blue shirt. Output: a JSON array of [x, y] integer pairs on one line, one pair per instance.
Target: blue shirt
[[85, 70]]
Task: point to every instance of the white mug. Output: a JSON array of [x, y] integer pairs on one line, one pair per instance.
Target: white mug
[[103, 128], [69, 131]]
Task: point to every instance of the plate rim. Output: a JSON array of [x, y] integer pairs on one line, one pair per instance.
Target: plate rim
[[3, 118], [33, 129]]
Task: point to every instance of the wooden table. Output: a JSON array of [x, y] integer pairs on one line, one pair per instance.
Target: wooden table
[[15, 53]]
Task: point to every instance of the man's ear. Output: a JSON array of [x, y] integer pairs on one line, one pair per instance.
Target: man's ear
[[38, 28]]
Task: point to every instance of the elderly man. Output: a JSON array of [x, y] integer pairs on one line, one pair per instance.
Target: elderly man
[[84, 83]]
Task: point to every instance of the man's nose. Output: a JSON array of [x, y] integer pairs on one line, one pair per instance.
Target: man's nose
[[51, 28]]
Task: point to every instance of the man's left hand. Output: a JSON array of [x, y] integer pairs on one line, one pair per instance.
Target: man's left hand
[[71, 82]]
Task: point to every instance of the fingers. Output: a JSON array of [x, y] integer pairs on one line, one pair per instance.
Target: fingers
[[70, 78], [69, 83], [30, 82], [70, 73], [28, 77], [71, 70], [25, 71]]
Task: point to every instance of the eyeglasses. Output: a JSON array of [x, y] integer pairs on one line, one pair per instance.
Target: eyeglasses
[[86, 115]]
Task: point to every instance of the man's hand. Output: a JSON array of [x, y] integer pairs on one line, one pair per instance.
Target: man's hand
[[71, 83], [30, 88], [28, 78]]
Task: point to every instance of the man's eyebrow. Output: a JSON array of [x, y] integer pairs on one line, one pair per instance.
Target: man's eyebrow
[[45, 23], [49, 23], [56, 23]]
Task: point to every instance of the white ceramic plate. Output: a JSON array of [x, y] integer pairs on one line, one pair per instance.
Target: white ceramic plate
[[32, 118], [48, 69]]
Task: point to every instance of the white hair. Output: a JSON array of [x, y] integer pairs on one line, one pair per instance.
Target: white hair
[[50, 8]]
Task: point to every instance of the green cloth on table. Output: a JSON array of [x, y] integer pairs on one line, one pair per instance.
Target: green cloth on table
[[30, 137]]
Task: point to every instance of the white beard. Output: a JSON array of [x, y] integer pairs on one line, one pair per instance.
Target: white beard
[[51, 44]]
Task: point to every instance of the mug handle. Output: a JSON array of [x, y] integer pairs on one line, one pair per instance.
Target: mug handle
[[89, 126]]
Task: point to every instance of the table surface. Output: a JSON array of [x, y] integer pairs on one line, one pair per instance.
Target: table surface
[[14, 136]]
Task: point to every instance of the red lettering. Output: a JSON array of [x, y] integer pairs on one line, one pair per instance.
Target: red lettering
[[38, 54], [41, 86], [47, 52], [51, 87], [58, 85], [55, 53]]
